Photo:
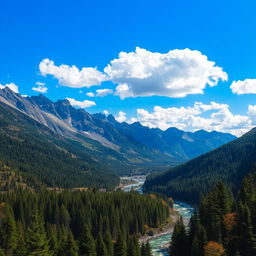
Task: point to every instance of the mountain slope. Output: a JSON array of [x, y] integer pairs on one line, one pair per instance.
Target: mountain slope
[[182, 145], [29, 147], [125, 148], [229, 163]]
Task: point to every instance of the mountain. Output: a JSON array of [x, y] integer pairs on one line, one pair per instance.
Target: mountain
[[228, 163], [28, 147], [182, 145], [122, 147]]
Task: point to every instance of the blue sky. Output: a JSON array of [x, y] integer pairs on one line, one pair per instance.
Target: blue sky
[[160, 82]]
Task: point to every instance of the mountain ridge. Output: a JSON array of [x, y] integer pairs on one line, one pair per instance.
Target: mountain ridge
[[136, 144], [229, 163]]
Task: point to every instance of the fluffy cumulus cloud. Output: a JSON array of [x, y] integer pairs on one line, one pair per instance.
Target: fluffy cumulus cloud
[[247, 86], [176, 73], [71, 76], [40, 87], [121, 117], [100, 93], [210, 117], [11, 86], [81, 104]]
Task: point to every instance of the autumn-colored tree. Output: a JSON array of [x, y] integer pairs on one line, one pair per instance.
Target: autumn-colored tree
[[229, 221], [213, 249]]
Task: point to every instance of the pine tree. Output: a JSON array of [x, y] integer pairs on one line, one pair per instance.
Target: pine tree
[[131, 247], [148, 249], [37, 244], [179, 240], [109, 243], [101, 248], [120, 246], [8, 232], [71, 248], [87, 244], [247, 241]]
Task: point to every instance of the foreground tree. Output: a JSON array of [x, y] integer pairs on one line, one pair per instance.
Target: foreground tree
[[87, 245], [37, 243], [179, 240]]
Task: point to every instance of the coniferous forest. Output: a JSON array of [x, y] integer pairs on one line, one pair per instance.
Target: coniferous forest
[[77, 223], [223, 224]]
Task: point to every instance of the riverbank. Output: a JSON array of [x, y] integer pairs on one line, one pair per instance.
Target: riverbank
[[158, 232]]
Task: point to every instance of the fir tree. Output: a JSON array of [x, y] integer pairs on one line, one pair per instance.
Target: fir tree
[[179, 240], [101, 248], [87, 245], [37, 243], [8, 232], [71, 248], [120, 246]]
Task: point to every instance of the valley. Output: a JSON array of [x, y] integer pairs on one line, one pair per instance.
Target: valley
[[160, 242]]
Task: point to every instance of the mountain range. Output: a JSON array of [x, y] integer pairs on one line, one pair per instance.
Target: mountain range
[[229, 163], [120, 148]]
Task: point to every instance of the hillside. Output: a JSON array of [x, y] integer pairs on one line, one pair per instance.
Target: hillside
[[29, 147], [123, 147], [229, 163]]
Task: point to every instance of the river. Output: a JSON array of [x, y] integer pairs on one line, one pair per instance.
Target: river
[[160, 243]]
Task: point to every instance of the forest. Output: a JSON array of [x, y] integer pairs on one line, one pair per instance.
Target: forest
[[223, 224], [72, 223], [192, 180]]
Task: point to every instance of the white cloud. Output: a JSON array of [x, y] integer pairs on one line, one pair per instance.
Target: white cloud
[[252, 113], [81, 104], [105, 112], [103, 92], [247, 86], [90, 94], [121, 117], [210, 117], [174, 74], [11, 86], [71, 76], [40, 88], [40, 84], [100, 93]]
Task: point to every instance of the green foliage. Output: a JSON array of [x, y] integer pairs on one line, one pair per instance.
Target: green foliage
[[30, 148], [37, 243], [73, 223], [179, 239], [188, 182], [71, 248], [87, 246], [120, 246], [223, 224], [8, 232]]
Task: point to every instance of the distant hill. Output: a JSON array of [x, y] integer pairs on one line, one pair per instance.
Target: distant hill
[[229, 163]]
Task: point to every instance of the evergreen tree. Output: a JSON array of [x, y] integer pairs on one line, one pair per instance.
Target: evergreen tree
[[148, 249], [120, 246], [108, 242], [101, 248], [247, 241], [71, 248], [8, 232], [37, 243], [179, 240], [87, 245]]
